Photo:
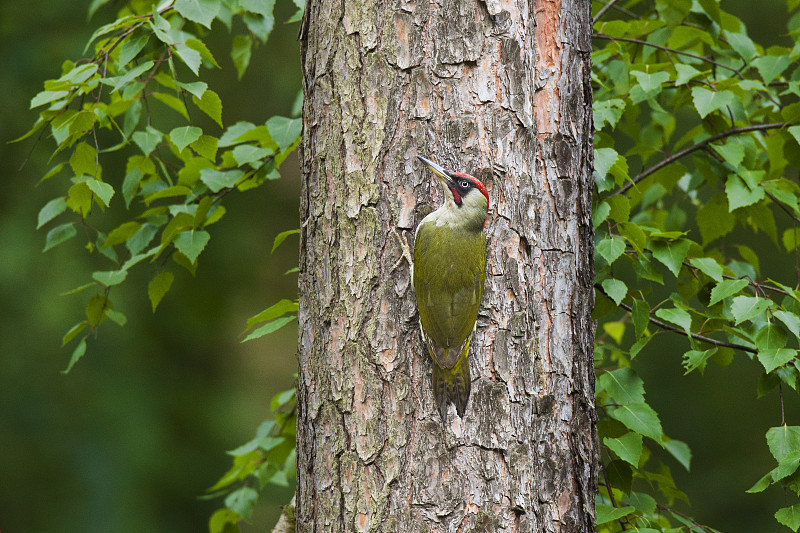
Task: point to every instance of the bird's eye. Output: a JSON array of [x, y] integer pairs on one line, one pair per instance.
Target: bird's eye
[[464, 184]]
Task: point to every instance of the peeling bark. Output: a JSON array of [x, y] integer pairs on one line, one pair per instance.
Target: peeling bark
[[499, 89]]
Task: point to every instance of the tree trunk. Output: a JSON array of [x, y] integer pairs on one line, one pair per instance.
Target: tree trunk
[[498, 89]]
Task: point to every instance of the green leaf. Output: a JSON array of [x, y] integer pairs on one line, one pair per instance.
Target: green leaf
[[742, 44], [119, 82], [109, 278], [116, 317], [622, 384], [79, 198], [649, 85], [696, 359], [706, 101], [173, 102], [284, 131], [77, 353], [747, 307], [673, 12], [298, 15], [210, 104], [641, 317], [714, 219], [607, 112], [282, 237], [770, 67], [51, 209], [685, 73], [224, 521], [73, 331], [183, 136], [58, 235], [611, 249], [607, 513], [708, 266], [628, 447], [103, 190], [676, 316], [274, 311], [233, 133], [45, 97], [206, 146], [732, 153], [740, 194], [282, 398], [259, 26], [262, 7], [242, 501], [791, 320], [269, 327], [241, 51], [773, 358], [615, 289], [189, 56], [130, 185], [158, 287], [671, 254], [787, 466], [130, 49], [726, 288], [216, 180], [196, 88], [200, 11], [789, 516], [783, 440], [191, 243], [791, 238], [770, 337], [205, 53], [761, 484], [147, 140], [84, 160], [679, 450], [638, 417], [247, 153]]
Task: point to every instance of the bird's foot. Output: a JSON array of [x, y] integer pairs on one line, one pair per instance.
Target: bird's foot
[[405, 251]]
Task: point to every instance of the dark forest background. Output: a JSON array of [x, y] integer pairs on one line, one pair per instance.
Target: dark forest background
[[136, 433]]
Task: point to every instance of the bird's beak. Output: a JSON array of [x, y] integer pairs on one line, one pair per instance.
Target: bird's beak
[[441, 173]]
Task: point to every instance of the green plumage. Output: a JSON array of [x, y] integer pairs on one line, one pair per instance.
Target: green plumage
[[449, 271]]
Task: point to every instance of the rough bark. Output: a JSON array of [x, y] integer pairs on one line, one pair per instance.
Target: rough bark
[[498, 89]]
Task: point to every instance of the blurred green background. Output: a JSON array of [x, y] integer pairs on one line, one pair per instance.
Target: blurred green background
[[137, 431], [132, 437]]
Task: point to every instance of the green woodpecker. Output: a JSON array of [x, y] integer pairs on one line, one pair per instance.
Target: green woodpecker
[[449, 270]]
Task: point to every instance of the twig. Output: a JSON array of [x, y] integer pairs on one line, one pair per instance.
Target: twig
[[783, 207], [611, 493], [699, 146], [753, 283], [603, 10], [696, 336], [666, 49], [621, 10]]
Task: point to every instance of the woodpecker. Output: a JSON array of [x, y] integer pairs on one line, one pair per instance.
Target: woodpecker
[[449, 271]]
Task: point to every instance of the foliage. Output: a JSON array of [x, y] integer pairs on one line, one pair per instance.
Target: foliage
[[697, 151], [696, 168], [129, 100]]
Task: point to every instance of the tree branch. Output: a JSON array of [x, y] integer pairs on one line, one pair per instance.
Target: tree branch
[[603, 10], [699, 146], [673, 329], [783, 207], [286, 523], [666, 49]]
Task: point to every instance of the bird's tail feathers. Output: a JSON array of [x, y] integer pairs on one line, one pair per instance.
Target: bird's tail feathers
[[452, 385]]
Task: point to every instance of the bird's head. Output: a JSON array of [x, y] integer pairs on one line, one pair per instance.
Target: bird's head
[[464, 194]]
